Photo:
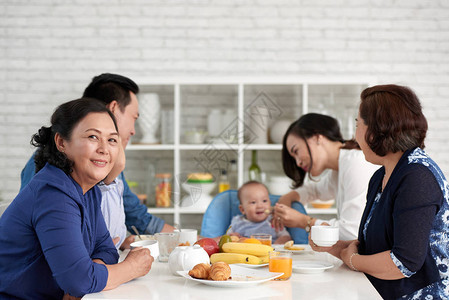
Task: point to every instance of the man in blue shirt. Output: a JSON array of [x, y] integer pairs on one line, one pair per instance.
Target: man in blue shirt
[[118, 93]]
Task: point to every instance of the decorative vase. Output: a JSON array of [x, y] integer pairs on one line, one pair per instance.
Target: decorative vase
[[278, 130], [259, 117], [149, 107]]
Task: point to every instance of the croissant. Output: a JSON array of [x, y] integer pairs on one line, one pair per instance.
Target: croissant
[[200, 271], [220, 271]]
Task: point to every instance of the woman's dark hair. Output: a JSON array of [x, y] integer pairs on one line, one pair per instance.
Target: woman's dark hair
[[305, 127], [108, 87], [63, 120], [394, 118]]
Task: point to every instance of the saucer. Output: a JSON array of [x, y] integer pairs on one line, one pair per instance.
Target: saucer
[[311, 266]]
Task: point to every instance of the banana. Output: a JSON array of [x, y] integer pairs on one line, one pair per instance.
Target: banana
[[263, 259], [238, 258], [247, 248]]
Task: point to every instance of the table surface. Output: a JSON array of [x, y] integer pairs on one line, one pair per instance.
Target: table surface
[[337, 283]]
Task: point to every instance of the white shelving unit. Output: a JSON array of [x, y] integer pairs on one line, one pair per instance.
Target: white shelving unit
[[190, 98]]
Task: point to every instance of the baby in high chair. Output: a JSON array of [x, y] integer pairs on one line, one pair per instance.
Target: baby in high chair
[[255, 207]]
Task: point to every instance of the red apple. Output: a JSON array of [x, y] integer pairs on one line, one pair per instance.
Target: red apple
[[209, 245]]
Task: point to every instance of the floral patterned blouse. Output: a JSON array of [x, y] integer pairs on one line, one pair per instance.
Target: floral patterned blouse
[[410, 217]]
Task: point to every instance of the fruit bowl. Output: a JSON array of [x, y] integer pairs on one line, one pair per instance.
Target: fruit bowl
[[322, 204]]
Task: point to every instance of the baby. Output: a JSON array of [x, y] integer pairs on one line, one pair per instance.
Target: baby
[[255, 207]]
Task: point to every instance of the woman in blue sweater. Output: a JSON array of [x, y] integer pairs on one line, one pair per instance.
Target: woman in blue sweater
[[403, 240], [54, 239]]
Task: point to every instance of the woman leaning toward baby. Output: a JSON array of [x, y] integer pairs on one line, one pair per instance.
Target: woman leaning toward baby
[[402, 243], [54, 239]]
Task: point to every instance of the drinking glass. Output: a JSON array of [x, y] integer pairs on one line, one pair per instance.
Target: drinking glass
[[280, 262], [168, 241], [265, 239]]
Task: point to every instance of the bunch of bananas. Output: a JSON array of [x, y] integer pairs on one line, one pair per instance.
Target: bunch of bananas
[[244, 253]]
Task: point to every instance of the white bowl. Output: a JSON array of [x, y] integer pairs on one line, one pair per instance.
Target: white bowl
[[322, 203], [152, 245], [324, 236], [279, 185], [196, 189]]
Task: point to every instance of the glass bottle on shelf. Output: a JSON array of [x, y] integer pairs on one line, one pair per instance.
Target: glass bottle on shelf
[[232, 176], [223, 184], [254, 169], [163, 190]]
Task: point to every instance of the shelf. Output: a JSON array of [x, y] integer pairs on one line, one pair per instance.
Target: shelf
[[187, 103], [210, 146], [262, 147], [161, 210], [321, 211]]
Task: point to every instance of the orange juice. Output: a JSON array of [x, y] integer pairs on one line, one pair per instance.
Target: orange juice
[[265, 239], [265, 242], [280, 264]]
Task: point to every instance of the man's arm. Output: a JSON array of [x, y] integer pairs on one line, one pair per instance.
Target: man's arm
[[27, 172]]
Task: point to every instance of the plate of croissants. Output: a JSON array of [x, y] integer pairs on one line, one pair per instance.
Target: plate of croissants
[[223, 275]]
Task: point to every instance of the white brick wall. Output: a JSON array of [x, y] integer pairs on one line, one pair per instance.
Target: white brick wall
[[50, 50]]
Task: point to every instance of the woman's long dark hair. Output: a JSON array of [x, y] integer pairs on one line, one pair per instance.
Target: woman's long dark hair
[[305, 127], [63, 120]]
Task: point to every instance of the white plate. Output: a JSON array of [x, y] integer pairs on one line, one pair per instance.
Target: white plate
[[241, 277], [252, 266], [311, 266], [307, 248]]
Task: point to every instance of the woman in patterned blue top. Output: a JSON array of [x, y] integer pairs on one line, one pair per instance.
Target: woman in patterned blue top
[[402, 245]]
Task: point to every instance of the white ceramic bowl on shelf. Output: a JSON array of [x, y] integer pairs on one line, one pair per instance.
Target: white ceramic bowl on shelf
[[323, 204], [199, 195], [279, 185]]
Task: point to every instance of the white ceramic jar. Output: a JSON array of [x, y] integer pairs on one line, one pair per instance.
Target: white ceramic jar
[[186, 257], [214, 123], [149, 108]]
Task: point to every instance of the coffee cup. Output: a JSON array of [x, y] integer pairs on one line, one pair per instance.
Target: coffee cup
[[189, 236], [324, 236], [152, 245]]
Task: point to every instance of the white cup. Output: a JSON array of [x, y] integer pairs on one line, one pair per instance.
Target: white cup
[[188, 235], [324, 236], [150, 244]]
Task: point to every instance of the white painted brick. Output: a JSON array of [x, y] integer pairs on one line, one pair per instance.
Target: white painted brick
[[50, 52]]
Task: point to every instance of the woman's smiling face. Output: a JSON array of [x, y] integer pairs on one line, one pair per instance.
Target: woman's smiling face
[[297, 148], [93, 149]]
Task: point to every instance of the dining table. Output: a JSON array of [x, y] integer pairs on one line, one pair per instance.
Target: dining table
[[333, 281]]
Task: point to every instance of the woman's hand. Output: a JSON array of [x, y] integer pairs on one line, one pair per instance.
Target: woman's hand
[[335, 250], [287, 216], [346, 253], [140, 260], [136, 264]]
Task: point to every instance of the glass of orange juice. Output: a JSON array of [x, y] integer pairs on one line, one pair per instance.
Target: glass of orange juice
[[280, 262], [265, 239]]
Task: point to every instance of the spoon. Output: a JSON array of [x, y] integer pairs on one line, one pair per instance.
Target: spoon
[[136, 231]]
